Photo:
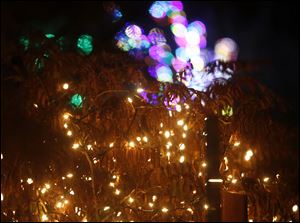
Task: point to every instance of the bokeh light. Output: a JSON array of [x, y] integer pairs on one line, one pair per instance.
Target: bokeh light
[[85, 44], [226, 49], [158, 9], [164, 73]]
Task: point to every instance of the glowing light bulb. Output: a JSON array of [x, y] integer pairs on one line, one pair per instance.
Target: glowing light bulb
[[274, 218], [295, 208], [190, 210], [131, 144], [72, 192], [65, 86], [35, 105], [69, 133], [65, 125], [66, 201], [117, 192], [151, 204], [266, 179], [205, 206], [111, 145], [2, 197], [204, 164], [119, 214], [59, 204], [66, 116], [248, 155], [47, 186], [237, 143], [183, 135], [145, 139], [45, 217], [185, 128], [181, 146], [161, 125], [89, 147], [154, 198], [106, 208], [138, 139], [129, 100], [181, 159], [29, 181], [168, 155], [131, 200], [194, 191], [178, 108], [1, 156], [164, 210], [167, 134], [75, 146], [180, 122], [140, 90], [234, 181], [112, 184]]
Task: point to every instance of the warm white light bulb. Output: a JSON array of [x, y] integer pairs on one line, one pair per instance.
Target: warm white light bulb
[[65, 86]]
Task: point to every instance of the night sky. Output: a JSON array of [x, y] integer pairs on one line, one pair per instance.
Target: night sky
[[264, 31]]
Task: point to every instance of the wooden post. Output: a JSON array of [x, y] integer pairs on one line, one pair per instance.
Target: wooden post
[[223, 205], [213, 189], [234, 207]]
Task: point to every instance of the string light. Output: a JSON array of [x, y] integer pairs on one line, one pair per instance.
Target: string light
[[111, 145], [75, 146], [45, 217], [248, 155], [204, 164], [151, 204], [183, 135], [129, 100], [185, 128], [65, 86], [181, 146], [237, 143], [178, 108], [35, 105], [266, 179], [138, 139], [164, 210], [59, 204], [154, 198], [117, 192], [140, 90], [29, 181], [274, 218], [66, 116], [131, 200], [167, 134], [234, 181], [181, 159], [131, 144], [69, 133], [180, 122], [89, 147], [106, 208], [205, 206], [295, 208], [145, 139]]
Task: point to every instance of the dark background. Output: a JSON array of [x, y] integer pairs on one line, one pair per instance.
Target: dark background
[[264, 31]]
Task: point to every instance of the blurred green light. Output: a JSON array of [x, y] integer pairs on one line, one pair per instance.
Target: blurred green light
[[85, 44], [49, 35], [76, 100], [25, 42]]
